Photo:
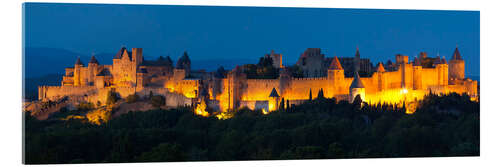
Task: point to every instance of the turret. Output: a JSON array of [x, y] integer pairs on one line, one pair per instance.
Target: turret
[[401, 59], [417, 74], [77, 73], [356, 88], [442, 70], [184, 63], [335, 76], [277, 59], [274, 99], [92, 69], [137, 55], [456, 66], [381, 78]]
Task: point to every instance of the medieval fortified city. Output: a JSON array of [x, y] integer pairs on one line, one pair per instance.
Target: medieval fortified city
[[262, 87]]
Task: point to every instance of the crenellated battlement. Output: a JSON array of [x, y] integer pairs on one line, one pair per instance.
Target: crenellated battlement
[[310, 79], [130, 74]]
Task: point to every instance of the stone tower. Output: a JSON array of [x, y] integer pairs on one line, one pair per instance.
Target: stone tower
[[381, 78], [335, 77], [184, 63], [92, 70], [417, 74], [274, 99], [77, 73], [442, 71], [457, 66], [277, 59], [356, 88]]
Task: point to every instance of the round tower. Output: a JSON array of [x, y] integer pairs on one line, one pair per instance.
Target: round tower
[[356, 88], [93, 64], [76, 74], [274, 99], [456, 68]]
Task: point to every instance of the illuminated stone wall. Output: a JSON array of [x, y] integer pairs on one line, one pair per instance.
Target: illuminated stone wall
[[407, 83], [457, 69], [258, 89]]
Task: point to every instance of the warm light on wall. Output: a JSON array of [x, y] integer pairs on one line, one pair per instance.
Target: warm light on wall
[[404, 91], [265, 112], [201, 109]]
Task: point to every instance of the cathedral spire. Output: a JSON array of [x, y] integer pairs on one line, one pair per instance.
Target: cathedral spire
[[357, 55]]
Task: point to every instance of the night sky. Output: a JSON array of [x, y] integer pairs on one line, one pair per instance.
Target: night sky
[[209, 33]]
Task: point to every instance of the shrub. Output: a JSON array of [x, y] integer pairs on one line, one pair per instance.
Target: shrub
[[112, 97], [85, 106]]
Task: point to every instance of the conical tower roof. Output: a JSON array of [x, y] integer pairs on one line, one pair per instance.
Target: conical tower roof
[[456, 55], [93, 60], [274, 93], [120, 52], [357, 52], [78, 61], [380, 67], [335, 65], [443, 61], [356, 83]]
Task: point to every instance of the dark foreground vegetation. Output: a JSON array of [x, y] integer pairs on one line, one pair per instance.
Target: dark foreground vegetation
[[322, 128]]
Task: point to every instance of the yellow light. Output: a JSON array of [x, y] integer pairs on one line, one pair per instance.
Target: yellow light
[[224, 115], [200, 109], [264, 112], [271, 106], [404, 91]]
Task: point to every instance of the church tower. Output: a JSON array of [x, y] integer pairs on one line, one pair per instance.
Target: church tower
[[457, 66], [357, 60]]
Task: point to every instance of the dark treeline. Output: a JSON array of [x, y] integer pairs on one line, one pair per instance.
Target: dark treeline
[[322, 128]]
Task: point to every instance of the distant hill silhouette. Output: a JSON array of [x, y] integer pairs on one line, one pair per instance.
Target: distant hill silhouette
[[43, 61], [31, 84]]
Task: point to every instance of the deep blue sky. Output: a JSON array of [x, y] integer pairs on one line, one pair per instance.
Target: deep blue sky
[[250, 32]]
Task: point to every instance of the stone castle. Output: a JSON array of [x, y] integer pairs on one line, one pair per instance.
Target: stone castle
[[338, 77]]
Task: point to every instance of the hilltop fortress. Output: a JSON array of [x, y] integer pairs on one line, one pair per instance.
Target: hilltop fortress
[[401, 81]]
